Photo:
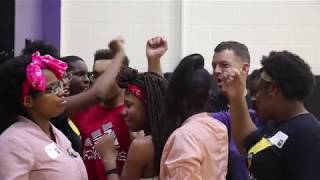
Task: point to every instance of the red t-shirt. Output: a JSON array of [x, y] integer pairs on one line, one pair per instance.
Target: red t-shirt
[[92, 124]]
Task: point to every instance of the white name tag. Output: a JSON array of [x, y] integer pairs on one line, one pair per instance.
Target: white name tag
[[279, 139], [53, 151]]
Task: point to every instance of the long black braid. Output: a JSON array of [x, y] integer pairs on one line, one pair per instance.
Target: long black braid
[[154, 88]]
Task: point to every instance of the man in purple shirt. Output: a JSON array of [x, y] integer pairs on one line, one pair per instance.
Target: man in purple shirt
[[237, 169], [231, 54]]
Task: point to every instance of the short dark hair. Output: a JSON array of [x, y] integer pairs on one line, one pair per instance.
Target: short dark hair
[[43, 47], [290, 72], [253, 78], [104, 54], [238, 48], [70, 59]]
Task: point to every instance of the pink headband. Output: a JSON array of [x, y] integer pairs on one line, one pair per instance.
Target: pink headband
[[136, 91], [35, 77]]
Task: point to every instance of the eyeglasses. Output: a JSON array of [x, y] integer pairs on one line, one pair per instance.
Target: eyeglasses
[[264, 76], [55, 88]]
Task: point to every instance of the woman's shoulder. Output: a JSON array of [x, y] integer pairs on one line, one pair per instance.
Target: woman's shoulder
[[16, 137], [142, 147], [142, 142], [143, 151], [18, 129]]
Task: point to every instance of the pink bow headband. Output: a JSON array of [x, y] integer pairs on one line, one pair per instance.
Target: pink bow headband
[[35, 77]]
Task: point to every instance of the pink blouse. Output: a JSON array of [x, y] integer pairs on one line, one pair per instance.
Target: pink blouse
[[28, 153], [196, 150]]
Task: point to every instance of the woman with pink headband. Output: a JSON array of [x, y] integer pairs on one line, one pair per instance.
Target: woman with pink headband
[[32, 148]]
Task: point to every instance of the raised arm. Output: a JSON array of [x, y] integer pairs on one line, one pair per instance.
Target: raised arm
[[103, 86], [155, 49], [241, 123]]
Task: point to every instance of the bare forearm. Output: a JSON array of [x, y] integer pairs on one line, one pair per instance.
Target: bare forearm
[[154, 65], [107, 81], [80, 102], [110, 165], [241, 124], [100, 90]]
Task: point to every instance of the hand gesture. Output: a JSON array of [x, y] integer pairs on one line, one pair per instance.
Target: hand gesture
[[233, 83], [106, 149], [116, 45], [156, 47]]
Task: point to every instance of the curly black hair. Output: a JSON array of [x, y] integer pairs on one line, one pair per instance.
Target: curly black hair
[[12, 76], [154, 87], [290, 72], [43, 47]]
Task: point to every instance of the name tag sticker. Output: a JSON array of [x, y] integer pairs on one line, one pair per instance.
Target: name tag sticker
[[53, 151], [279, 139]]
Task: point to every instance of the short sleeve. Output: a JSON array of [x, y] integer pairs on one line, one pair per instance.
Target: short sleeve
[[181, 158], [225, 118], [16, 159]]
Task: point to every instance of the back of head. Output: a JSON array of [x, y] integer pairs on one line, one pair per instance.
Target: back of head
[[103, 54], [238, 48], [12, 76], [291, 74], [188, 91], [71, 59], [107, 54], [187, 94], [41, 46], [252, 81], [154, 88]]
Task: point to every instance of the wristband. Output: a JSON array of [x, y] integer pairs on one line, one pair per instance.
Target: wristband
[[111, 171]]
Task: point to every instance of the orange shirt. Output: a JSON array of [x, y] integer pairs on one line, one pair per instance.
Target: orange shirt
[[196, 150]]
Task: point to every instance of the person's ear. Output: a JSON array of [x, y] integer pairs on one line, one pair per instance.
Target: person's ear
[[273, 89], [28, 102], [245, 68]]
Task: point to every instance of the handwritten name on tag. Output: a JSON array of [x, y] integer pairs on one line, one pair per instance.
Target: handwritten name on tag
[[53, 151], [279, 139]]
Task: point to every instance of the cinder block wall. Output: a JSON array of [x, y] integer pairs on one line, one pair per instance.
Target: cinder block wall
[[192, 26]]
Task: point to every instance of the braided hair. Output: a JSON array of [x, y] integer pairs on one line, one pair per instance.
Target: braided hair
[[154, 87]]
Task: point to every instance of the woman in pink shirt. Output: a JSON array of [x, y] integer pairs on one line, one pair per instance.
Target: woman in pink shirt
[[197, 145], [30, 146]]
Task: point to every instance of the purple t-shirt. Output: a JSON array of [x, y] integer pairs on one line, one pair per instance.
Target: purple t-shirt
[[237, 169]]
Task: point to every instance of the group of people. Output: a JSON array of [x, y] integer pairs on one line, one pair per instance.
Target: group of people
[[61, 122]]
